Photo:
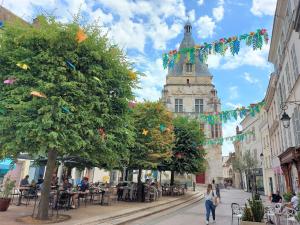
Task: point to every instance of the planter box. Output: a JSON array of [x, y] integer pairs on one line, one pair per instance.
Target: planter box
[[251, 223], [4, 204]]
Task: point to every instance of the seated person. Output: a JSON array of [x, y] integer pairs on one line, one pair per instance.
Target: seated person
[[67, 186], [24, 182], [40, 180], [84, 185], [276, 198], [294, 201]]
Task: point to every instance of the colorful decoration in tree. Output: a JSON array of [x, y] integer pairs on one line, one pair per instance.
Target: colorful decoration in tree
[[9, 81], [1, 24], [80, 36], [132, 75], [179, 155], [102, 133], [131, 104], [162, 127], [254, 39], [220, 141], [97, 79], [65, 109], [23, 66], [70, 65], [145, 132], [224, 116], [38, 94]]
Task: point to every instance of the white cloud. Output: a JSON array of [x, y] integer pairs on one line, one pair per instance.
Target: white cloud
[[263, 7], [192, 15], [233, 105], [214, 61], [205, 26], [247, 56], [218, 12], [233, 92], [248, 77], [200, 2], [229, 129]]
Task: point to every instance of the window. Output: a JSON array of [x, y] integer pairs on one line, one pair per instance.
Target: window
[[288, 76], [189, 67], [294, 60], [199, 105], [253, 131], [280, 94], [178, 105], [297, 125], [216, 107]]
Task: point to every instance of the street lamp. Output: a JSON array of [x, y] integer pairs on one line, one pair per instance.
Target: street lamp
[[285, 120]]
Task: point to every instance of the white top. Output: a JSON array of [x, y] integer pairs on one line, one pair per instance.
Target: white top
[[294, 201], [209, 196]]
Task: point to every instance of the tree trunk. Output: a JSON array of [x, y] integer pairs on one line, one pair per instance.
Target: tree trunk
[[44, 203], [140, 187], [172, 177]]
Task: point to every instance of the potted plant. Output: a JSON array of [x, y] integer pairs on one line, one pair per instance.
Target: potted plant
[[297, 216], [287, 196], [253, 215], [4, 195]]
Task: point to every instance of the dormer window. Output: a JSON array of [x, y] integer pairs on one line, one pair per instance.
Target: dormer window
[[189, 67]]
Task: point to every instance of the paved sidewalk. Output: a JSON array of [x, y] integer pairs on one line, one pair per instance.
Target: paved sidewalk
[[195, 214], [84, 215]]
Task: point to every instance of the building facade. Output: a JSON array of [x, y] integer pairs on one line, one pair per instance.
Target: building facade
[[285, 56], [188, 92]]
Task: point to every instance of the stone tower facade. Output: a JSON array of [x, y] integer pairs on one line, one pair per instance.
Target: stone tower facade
[[189, 91]]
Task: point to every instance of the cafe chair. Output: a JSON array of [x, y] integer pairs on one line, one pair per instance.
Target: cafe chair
[[236, 212]]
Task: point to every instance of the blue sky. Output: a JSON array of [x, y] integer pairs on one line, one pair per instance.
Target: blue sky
[[146, 29]]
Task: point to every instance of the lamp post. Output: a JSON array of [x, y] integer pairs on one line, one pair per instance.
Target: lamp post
[[285, 118]]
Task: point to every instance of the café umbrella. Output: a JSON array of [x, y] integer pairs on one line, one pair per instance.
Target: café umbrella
[[5, 166]]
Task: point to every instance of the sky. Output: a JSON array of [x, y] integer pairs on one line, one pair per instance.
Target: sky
[[145, 29]]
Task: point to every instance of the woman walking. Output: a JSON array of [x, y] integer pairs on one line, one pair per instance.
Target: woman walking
[[209, 203]]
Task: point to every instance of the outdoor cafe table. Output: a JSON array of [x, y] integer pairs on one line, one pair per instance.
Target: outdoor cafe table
[[21, 189]]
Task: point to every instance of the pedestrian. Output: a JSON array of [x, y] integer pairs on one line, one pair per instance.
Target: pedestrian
[[218, 192], [209, 203]]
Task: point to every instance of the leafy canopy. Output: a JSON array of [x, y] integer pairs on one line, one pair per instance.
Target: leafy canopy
[[153, 133], [188, 154], [82, 87]]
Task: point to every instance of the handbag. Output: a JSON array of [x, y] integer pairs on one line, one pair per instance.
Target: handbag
[[216, 200]]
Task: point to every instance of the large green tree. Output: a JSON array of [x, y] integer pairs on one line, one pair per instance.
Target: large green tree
[[64, 91], [188, 154], [154, 136]]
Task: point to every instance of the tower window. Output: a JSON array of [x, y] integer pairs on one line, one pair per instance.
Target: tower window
[[188, 82], [189, 67], [199, 105], [178, 105]]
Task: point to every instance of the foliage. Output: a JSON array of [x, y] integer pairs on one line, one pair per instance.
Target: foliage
[[153, 144], [257, 209], [287, 196], [67, 98], [8, 187], [247, 215], [297, 216], [238, 164], [188, 154], [96, 93]]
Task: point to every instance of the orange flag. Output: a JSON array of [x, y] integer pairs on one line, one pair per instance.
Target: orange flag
[[38, 94], [80, 36]]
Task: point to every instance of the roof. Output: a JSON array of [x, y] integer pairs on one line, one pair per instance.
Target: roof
[[188, 42]]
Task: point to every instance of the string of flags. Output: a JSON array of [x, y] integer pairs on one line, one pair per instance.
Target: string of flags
[[1, 24], [23, 66], [220, 141], [254, 39], [224, 116]]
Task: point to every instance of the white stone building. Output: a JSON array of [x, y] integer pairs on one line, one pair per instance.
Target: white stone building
[[189, 91], [253, 143], [285, 55]]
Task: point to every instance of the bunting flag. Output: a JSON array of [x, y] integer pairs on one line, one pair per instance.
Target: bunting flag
[[23, 66], [145, 132], [132, 75], [65, 109], [9, 81], [220, 141], [224, 116], [162, 127], [97, 79], [254, 39], [80, 36], [70, 65], [131, 104], [38, 94], [101, 132], [1, 24]]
